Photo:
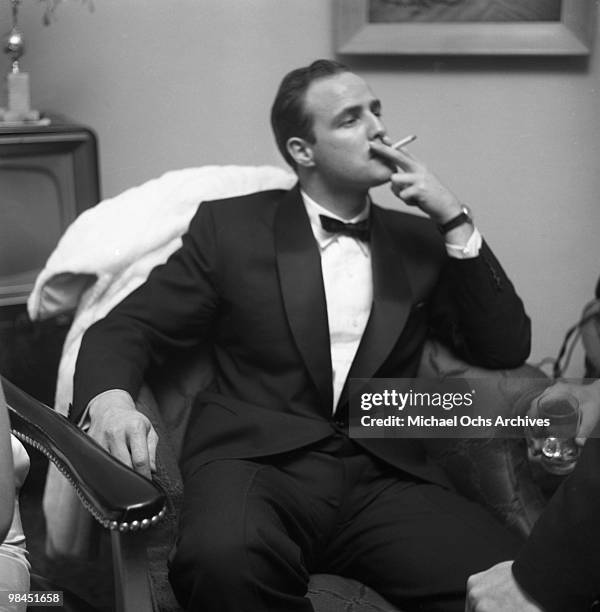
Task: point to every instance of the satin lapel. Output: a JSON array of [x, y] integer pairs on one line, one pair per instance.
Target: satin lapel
[[391, 301], [301, 280]]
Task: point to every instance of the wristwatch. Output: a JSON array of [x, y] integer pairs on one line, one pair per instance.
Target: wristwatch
[[464, 216]]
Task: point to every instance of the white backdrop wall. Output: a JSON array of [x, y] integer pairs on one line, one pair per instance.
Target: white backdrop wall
[[184, 83]]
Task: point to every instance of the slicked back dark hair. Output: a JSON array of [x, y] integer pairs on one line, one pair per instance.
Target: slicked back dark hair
[[288, 115]]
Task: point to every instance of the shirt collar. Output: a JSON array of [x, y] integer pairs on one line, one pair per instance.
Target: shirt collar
[[313, 210]]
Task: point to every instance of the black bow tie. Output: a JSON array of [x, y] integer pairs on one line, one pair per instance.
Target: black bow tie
[[358, 230]]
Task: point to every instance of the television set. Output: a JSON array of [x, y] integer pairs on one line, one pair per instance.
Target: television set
[[48, 176]]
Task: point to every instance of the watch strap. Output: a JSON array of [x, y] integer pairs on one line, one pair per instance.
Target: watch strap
[[463, 217]]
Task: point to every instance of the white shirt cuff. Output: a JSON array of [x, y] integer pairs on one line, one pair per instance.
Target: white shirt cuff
[[468, 251]]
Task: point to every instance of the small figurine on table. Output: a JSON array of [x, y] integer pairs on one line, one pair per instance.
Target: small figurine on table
[[19, 103]]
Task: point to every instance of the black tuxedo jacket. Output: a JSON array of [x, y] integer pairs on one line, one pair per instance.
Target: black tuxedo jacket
[[559, 565], [248, 280]]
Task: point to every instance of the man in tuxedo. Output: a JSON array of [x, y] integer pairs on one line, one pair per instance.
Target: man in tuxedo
[[297, 292], [558, 568]]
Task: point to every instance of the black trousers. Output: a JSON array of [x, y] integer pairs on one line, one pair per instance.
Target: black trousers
[[252, 531]]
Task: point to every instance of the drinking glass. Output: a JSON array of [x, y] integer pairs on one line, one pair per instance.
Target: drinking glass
[[554, 442]]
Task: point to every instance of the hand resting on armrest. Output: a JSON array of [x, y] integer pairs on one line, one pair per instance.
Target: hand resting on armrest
[[124, 432]]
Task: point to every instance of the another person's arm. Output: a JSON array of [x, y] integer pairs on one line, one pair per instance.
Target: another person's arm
[[7, 478], [559, 566], [560, 563]]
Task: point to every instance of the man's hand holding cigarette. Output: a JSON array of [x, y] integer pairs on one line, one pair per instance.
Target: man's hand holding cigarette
[[415, 185]]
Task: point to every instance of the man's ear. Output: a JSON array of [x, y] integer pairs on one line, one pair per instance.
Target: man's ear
[[301, 151]]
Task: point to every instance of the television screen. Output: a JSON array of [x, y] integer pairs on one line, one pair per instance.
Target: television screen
[[48, 176]]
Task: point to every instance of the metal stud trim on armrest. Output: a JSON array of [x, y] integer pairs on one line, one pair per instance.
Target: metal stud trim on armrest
[[116, 496], [105, 522]]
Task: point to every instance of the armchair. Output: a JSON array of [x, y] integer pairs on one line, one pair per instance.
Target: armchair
[[494, 472], [141, 516], [120, 500]]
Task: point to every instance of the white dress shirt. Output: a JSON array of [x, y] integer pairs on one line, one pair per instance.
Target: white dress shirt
[[348, 282]]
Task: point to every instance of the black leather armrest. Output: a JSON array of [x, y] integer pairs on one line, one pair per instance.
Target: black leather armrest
[[115, 495]]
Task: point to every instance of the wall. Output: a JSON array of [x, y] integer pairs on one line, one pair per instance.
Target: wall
[[185, 83]]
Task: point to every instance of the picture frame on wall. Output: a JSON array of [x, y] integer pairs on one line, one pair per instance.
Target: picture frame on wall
[[464, 27]]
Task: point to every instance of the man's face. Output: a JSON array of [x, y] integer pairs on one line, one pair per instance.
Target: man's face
[[346, 118]]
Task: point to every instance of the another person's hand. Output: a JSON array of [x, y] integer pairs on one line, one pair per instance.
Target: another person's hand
[[417, 186], [587, 395], [496, 590], [123, 431]]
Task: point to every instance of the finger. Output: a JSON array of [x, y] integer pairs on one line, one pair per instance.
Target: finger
[[109, 441], [588, 424], [404, 185], [112, 442], [586, 427], [409, 195], [152, 445], [399, 157], [117, 447], [404, 178], [138, 447]]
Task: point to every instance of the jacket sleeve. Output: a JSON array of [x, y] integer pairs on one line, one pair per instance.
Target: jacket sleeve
[[559, 566], [173, 309], [478, 313]]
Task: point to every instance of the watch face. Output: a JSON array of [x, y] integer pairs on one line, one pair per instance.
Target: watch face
[[467, 212]]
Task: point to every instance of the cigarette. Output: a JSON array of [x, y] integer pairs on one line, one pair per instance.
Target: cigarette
[[404, 142]]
